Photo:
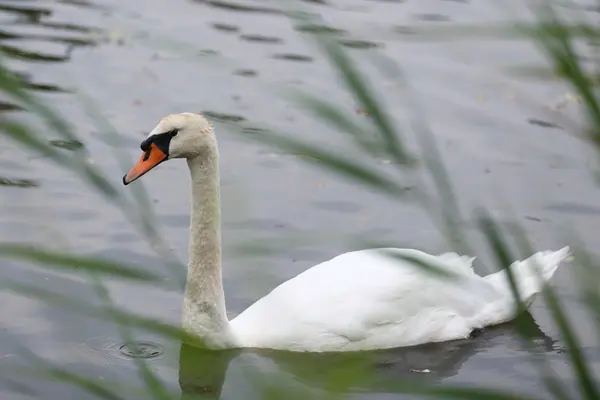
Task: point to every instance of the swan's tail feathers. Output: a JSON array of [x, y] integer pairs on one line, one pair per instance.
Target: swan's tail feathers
[[530, 274]]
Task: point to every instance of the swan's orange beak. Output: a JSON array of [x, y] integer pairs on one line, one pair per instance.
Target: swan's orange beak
[[150, 159]]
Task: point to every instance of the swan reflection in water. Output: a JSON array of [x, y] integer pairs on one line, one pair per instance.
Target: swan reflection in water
[[203, 373]]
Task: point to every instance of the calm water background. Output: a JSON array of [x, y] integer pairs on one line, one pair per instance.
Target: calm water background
[[483, 97]]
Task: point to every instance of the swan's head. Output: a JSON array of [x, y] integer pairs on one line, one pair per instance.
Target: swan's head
[[185, 135]]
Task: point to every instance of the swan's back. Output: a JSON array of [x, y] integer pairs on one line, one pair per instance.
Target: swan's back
[[367, 300]]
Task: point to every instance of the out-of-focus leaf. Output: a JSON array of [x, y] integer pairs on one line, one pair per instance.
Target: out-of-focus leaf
[[583, 374], [364, 94], [22, 135], [142, 207], [11, 85], [101, 391], [501, 251], [154, 387], [551, 380], [67, 262], [336, 118], [45, 370], [335, 163], [427, 267], [468, 393], [431, 158], [556, 38], [581, 368], [63, 301]]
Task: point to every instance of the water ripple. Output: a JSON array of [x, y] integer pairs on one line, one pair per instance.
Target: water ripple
[[27, 25]]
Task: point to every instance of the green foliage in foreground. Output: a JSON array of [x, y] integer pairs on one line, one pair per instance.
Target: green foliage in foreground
[[197, 367]]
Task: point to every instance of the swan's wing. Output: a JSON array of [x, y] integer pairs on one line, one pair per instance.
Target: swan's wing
[[365, 299]]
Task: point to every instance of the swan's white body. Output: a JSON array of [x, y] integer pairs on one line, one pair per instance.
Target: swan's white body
[[370, 299], [361, 300]]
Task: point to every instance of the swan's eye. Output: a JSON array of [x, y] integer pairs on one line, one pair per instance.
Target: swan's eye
[[173, 132]]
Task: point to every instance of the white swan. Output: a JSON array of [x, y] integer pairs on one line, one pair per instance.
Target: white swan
[[361, 300]]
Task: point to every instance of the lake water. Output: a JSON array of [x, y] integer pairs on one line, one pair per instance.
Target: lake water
[[498, 116]]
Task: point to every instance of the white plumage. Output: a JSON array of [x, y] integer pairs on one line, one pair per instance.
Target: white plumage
[[370, 299], [361, 300]]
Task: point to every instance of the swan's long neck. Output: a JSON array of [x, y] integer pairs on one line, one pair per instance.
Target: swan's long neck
[[204, 312]]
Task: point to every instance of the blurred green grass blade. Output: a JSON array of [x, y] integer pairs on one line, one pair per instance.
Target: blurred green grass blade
[[470, 394], [586, 271], [143, 204], [121, 155], [581, 369], [153, 385], [448, 201], [335, 163], [556, 39], [583, 373], [22, 135], [588, 282], [552, 382], [424, 265], [17, 387], [149, 324], [100, 390], [72, 162], [12, 85], [431, 158], [500, 251], [68, 262], [336, 118], [587, 385], [359, 88], [44, 369]]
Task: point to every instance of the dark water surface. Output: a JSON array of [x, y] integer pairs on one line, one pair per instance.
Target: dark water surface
[[498, 116]]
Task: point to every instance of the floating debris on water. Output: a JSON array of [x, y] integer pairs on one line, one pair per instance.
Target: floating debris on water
[[208, 53], [532, 218], [293, 57], [542, 123], [314, 28], [261, 38], [359, 44], [253, 130], [19, 183], [221, 117], [241, 7], [432, 17], [246, 72], [66, 144], [225, 27]]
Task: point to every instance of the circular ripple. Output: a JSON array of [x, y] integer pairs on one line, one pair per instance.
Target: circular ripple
[[111, 349], [141, 350]]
